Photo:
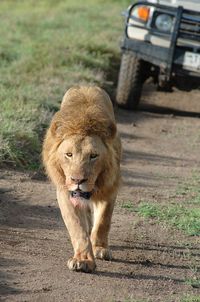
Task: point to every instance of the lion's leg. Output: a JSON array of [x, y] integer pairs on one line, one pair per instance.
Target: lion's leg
[[99, 237], [77, 224]]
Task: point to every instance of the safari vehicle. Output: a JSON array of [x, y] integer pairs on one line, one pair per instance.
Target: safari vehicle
[[161, 41]]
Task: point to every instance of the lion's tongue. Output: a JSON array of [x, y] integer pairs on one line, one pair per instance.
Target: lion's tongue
[[78, 198]]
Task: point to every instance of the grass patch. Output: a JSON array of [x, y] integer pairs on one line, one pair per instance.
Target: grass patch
[[45, 49], [129, 206], [194, 282], [190, 298], [184, 214], [183, 218]]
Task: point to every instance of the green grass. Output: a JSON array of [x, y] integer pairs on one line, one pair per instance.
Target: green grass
[[179, 216], [45, 48], [194, 282], [182, 210], [129, 206], [190, 298]]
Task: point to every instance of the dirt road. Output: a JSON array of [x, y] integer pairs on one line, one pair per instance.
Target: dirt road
[[151, 260]]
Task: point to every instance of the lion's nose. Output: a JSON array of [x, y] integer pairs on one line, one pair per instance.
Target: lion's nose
[[78, 181]]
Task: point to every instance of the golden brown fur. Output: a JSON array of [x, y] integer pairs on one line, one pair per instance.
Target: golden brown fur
[[82, 151]]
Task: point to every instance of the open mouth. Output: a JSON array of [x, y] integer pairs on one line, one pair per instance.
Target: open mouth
[[80, 194]]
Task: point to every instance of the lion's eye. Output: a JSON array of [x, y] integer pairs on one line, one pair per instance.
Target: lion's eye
[[93, 156], [68, 154]]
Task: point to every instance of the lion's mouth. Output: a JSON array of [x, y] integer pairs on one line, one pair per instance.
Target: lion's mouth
[[80, 194], [80, 198]]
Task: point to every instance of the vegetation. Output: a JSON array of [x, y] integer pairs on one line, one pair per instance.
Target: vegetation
[[190, 298], [194, 282], [45, 47], [184, 214], [181, 217]]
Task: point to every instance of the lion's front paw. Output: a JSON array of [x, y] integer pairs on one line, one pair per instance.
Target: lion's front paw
[[102, 253], [86, 266]]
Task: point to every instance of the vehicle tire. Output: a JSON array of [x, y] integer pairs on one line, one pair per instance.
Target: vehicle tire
[[130, 81]]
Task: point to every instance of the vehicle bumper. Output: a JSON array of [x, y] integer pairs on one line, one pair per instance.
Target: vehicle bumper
[[159, 56]]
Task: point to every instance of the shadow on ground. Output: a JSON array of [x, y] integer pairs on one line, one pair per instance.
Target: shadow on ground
[[6, 278], [19, 213], [168, 111]]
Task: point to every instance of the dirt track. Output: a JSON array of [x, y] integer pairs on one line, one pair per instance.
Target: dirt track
[[151, 261]]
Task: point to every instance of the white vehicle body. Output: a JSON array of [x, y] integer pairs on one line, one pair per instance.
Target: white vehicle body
[[159, 39], [143, 34], [193, 4]]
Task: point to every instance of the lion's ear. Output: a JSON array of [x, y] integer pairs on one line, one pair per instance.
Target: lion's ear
[[111, 130], [56, 126], [56, 129]]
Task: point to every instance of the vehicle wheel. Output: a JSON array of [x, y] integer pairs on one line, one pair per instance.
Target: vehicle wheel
[[130, 81]]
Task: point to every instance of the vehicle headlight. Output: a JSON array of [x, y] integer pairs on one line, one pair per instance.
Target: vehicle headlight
[[164, 22]]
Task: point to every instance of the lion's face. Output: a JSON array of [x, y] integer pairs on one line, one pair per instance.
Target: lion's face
[[82, 160]]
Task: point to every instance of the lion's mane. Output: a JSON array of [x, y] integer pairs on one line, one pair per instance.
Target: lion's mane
[[84, 111]]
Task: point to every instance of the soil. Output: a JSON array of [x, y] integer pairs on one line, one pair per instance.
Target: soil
[[152, 260]]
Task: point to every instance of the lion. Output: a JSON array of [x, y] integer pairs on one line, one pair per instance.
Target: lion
[[81, 155]]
